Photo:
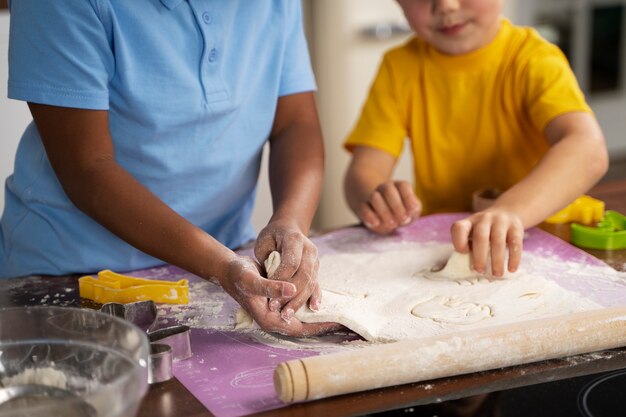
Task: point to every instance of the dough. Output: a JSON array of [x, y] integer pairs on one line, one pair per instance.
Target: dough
[[452, 310], [272, 263], [243, 320], [380, 296], [459, 268], [459, 265]]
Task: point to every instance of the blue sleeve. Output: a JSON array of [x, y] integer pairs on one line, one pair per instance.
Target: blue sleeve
[[59, 53], [297, 75]]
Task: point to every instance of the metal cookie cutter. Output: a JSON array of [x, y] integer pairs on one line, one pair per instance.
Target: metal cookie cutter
[[177, 337], [167, 345], [143, 314], [160, 369], [585, 210], [610, 233], [112, 287]]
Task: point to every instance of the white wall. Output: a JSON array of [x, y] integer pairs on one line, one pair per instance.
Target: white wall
[[14, 115], [345, 63]]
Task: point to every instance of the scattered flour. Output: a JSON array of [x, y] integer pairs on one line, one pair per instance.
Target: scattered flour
[[207, 308], [390, 293], [389, 296]]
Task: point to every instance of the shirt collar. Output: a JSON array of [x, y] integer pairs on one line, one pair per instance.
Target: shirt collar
[[170, 4]]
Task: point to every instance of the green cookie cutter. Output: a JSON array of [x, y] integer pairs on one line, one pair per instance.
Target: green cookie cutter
[[609, 234]]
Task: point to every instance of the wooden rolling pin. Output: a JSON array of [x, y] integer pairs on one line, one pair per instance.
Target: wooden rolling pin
[[441, 356]]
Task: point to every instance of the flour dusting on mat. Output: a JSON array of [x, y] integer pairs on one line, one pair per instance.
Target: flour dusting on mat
[[380, 289], [207, 308], [388, 296]]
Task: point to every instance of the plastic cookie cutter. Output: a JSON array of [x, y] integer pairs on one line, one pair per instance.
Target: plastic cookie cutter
[[585, 210], [110, 287], [609, 234]]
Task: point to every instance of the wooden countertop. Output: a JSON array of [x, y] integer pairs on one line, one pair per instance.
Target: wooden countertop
[[171, 398]]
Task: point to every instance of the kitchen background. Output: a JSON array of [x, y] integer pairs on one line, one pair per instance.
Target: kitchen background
[[347, 39]]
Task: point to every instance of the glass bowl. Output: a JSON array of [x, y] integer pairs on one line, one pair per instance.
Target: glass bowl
[[96, 365]]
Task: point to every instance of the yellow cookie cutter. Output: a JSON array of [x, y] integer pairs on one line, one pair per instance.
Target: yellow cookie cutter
[[111, 287], [585, 210]]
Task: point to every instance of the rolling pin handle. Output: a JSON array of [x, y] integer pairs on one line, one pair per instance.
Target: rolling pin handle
[[291, 382]]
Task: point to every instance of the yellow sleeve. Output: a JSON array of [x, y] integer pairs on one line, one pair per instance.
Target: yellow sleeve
[[382, 124], [552, 89]]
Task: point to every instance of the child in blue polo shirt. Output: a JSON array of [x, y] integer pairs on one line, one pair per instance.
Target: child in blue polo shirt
[[149, 120]]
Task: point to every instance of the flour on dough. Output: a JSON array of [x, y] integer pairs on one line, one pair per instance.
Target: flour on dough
[[379, 295], [458, 265], [243, 320], [272, 263], [459, 268], [452, 310]]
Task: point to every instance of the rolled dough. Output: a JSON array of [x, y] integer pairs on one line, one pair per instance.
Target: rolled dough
[[272, 263], [394, 295]]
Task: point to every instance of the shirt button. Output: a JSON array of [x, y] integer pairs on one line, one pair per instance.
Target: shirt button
[[213, 55], [208, 19]]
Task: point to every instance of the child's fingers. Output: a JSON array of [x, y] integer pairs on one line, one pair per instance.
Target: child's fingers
[[369, 217], [291, 250], [480, 244], [412, 205], [254, 285], [306, 282], [498, 247], [515, 242], [289, 309], [316, 298], [392, 197], [265, 244], [305, 279], [460, 232], [273, 322], [379, 205]]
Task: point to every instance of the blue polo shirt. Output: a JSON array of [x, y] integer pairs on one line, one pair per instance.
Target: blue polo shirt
[[191, 87]]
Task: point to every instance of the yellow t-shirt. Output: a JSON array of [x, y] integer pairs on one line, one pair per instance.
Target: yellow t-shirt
[[473, 120]]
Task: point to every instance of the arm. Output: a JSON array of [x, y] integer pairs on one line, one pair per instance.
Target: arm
[[381, 203], [296, 168], [576, 160], [79, 147]]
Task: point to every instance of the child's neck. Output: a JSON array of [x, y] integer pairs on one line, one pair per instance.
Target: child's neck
[[489, 38]]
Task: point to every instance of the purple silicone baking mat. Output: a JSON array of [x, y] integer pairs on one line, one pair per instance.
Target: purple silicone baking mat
[[231, 371]]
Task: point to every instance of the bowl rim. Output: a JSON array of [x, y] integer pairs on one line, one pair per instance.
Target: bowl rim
[[124, 379]]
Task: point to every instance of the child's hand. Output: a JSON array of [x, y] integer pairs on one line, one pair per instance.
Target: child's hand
[[299, 265], [245, 284], [391, 205], [491, 232]]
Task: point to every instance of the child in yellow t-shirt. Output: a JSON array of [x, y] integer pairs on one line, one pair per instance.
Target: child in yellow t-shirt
[[484, 104]]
